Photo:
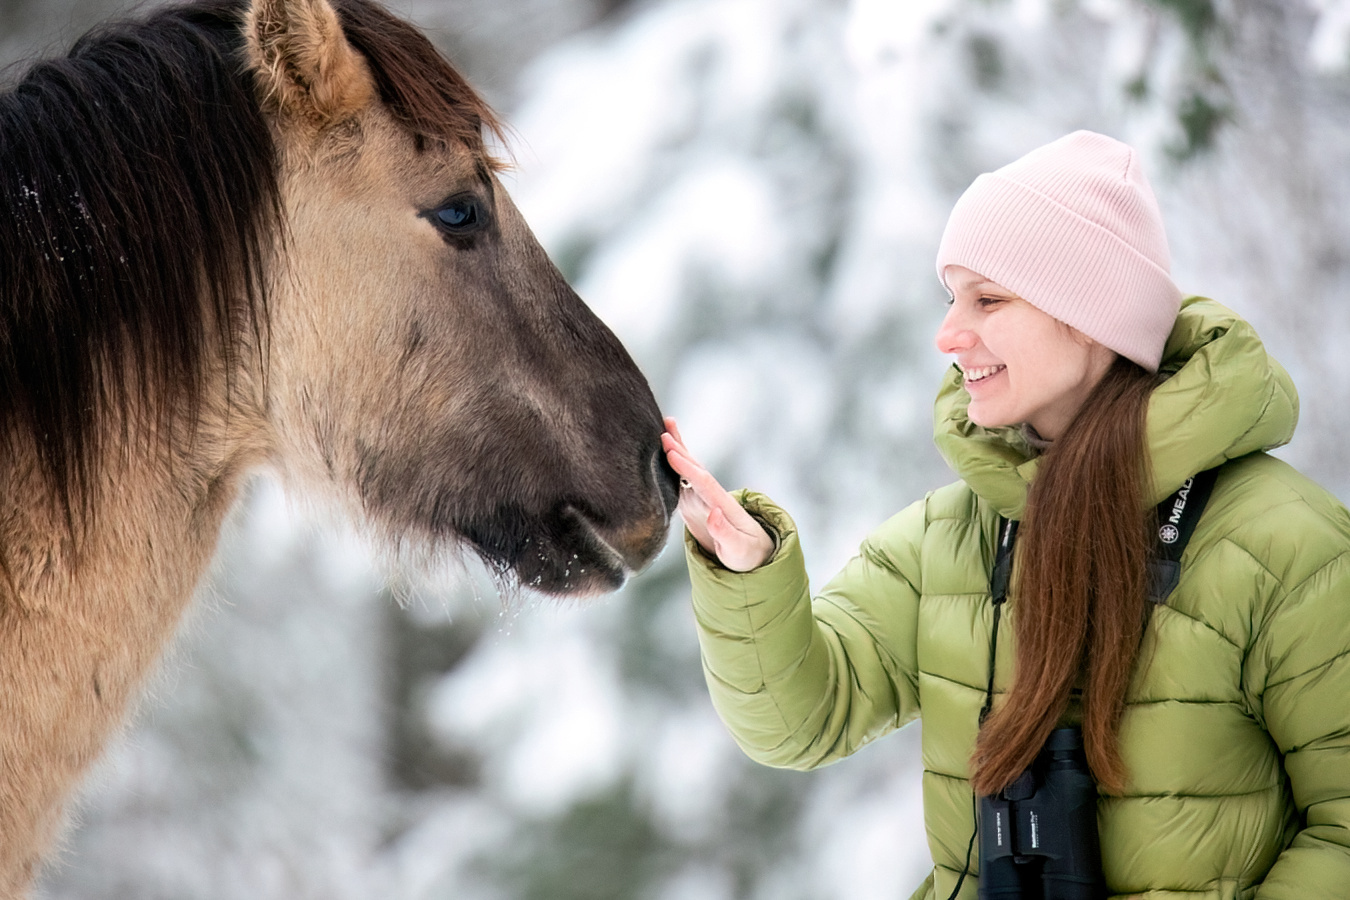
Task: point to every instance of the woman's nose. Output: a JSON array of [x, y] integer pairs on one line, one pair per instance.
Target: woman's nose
[[952, 335]]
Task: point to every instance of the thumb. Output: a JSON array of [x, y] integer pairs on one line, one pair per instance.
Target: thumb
[[738, 550], [720, 527]]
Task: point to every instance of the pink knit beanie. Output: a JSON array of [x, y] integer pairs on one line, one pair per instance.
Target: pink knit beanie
[[1074, 229]]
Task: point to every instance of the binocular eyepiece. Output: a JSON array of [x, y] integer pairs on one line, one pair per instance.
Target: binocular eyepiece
[[1038, 836]]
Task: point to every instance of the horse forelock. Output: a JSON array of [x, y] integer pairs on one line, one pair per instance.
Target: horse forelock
[[416, 83], [142, 193]]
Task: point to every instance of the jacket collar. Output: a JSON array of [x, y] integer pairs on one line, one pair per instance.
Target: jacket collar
[[1223, 397]]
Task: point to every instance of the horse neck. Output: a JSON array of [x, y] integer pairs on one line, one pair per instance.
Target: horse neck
[[83, 618], [153, 516]]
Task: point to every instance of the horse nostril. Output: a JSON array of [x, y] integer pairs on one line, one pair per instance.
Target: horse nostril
[[666, 482]]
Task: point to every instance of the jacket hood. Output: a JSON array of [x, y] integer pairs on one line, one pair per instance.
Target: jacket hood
[[1224, 396]]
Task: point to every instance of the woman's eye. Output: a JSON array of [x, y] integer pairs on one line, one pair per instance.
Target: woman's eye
[[461, 215]]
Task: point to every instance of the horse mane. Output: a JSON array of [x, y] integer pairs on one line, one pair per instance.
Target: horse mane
[[141, 188]]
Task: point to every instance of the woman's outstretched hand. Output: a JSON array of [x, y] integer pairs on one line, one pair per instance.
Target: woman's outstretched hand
[[720, 525]]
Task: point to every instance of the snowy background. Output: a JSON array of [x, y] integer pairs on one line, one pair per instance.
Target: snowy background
[[750, 192]]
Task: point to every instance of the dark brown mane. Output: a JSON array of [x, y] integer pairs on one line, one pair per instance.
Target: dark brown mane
[[140, 187]]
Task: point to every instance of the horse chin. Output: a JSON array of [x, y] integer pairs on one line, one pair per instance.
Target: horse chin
[[579, 581], [568, 552], [572, 575]]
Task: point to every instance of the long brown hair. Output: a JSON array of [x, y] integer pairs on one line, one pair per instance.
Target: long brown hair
[[1080, 586]]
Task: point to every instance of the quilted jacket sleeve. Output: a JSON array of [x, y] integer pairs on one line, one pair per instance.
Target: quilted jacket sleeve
[[798, 682], [1298, 674]]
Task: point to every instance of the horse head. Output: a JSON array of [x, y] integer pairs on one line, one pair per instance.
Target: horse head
[[425, 360], [242, 232]]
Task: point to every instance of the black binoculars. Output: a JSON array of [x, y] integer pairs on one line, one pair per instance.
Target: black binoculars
[[1038, 836]]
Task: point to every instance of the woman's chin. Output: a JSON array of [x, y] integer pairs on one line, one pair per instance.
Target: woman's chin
[[986, 418]]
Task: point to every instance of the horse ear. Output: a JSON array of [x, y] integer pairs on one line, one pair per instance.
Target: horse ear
[[303, 63]]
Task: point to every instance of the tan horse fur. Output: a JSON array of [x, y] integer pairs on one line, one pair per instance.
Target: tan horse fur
[[84, 613]]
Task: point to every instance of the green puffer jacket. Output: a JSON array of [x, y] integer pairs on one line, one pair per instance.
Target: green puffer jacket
[[1237, 732]]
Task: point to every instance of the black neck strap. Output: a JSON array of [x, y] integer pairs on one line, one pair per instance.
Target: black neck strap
[[999, 580], [1177, 517]]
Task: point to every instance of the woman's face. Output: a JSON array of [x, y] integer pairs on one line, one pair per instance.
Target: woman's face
[[1021, 365]]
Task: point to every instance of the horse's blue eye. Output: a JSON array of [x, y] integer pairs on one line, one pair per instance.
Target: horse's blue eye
[[460, 215]]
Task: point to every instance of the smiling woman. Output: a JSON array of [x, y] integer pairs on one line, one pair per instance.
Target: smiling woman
[[1021, 365], [1016, 609]]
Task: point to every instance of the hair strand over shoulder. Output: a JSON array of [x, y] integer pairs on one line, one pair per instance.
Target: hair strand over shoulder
[[1080, 587]]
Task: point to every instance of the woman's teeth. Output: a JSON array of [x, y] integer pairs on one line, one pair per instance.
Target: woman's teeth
[[980, 373]]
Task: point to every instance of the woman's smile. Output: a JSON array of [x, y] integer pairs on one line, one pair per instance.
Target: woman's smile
[[980, 374]]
